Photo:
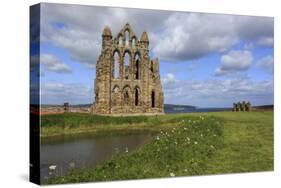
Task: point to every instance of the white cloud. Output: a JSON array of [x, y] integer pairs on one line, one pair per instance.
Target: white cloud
[[58, 93], [169, 78], [266, 41], [218, 93], [82, 27], [174, 36], [53, 64], [266, 63], [193, 35], [234, 61]]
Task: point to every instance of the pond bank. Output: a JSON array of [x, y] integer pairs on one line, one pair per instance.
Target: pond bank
[[231, 142], [80, 151], [77, 123], [181, 150]]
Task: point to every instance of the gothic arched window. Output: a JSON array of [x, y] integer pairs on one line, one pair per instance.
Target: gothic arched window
[[134, 42], [126, 96], [116, 65], [152, 99], [120, 41], [127, 37], [126, 66], [136, 96], [137, 67], [115, 96]]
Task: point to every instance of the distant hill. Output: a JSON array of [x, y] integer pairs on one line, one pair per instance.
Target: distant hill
[[166, 106], [81, 105], [264, 107], [179, 107]]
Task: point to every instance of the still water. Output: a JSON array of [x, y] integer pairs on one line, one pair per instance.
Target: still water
[[193, 110], [68, 153]]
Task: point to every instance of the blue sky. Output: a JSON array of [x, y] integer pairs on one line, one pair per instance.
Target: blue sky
[[206, 60]]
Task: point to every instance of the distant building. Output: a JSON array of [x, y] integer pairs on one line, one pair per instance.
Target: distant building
[[241, 106], [66, 107], [125, 87]]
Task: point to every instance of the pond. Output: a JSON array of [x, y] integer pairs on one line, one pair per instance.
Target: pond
[[71, 152]]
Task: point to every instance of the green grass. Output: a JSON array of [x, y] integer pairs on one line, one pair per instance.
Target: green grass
[[74, 123], [248, 144], [188, 144]]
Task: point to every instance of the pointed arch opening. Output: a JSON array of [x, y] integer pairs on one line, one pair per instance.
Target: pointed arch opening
[[134, 42], [126, 96], [153, 99], [127, 37], [126, 66], [137, 93], [116, 65], [115, 96], [137, 67], [120, 40]]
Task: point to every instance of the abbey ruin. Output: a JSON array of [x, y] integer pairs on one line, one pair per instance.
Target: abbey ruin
[[127, 80]]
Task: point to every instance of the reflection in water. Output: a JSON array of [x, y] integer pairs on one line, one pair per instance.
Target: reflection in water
[[67, 153]]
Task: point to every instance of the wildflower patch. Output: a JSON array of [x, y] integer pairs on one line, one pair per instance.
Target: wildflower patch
[[180, 151]]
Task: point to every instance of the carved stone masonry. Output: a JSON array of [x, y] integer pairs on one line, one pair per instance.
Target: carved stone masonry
[[127, 80], [242, 106]]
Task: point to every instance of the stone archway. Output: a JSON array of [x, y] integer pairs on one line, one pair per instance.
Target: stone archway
[[126, 96], [115, 99], [137, 96], [126, 64], [137, 65], [153, 99]]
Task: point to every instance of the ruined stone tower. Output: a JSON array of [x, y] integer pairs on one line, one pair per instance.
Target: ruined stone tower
[[127, 80]]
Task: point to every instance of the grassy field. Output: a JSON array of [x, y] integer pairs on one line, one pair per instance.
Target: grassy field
[[75, 123], [186, 144]]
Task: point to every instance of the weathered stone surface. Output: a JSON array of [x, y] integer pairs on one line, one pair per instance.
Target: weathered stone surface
[[66, 107], [132, 87], [241, 106]]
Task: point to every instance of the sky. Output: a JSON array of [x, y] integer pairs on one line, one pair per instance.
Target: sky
[[206, 60]]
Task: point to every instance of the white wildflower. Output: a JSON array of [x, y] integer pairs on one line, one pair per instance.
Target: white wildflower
[[157, 138], [52, 167], [72, 164], [172, 174], [195, 142], [127, 150]]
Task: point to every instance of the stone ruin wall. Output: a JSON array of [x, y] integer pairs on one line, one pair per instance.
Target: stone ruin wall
[[127, 87], [242, 106]]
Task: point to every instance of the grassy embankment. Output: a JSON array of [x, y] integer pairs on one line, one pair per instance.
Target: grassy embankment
[[187, 144], [79, 123]]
